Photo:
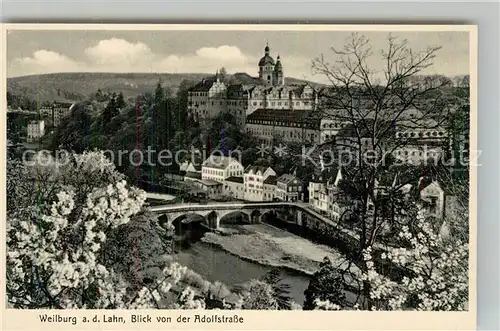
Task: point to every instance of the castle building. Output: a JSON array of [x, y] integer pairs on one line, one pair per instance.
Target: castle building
[[271, 124], [246, 94], [207, 98]]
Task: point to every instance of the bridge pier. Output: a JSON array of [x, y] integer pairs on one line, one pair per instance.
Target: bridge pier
[[299, 217]]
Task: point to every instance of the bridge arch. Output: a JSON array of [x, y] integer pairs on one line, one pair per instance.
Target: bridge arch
[[163, 220], [184, 221], [268, 214], [235, 217], [255, 216]]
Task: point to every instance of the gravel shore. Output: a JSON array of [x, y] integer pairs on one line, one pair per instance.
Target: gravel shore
[[267, 245]]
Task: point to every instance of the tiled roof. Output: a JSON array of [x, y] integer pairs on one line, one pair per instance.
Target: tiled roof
[[195, 165], [208, 182], [270, 180], [62, 104], [218, 162], [288, 179], [255, 168], [204, 85], [195, 175]]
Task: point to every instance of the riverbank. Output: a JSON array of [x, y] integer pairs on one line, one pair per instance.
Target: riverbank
[[267, 245]]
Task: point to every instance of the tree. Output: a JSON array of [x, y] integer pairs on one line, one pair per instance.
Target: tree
[[259, 295], [281, 291], [120, 101], [74, 131], [71, 241], [182, 103], [371, 104], [440, 267], [109, 113], [327, 284]]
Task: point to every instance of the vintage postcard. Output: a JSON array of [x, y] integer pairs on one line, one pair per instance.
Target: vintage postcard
[[281, 176]]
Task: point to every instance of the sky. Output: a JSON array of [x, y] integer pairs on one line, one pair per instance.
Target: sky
[[50, 51]]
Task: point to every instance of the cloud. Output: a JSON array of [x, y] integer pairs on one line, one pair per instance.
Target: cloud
[[120, 53], [44, 61], [208, 60]]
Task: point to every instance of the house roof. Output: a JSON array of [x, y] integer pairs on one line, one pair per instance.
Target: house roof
[[204, 85], [191, 174], [58, 104], [209, 182], [329, 174], [255, 168], [288, 179], [196, 166], [270, 180], [235, 179], [218, 162]]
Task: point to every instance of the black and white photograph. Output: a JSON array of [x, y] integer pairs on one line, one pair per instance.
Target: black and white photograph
[[239, 169]]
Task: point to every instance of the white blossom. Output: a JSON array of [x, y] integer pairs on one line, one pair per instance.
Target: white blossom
[[440, 266]]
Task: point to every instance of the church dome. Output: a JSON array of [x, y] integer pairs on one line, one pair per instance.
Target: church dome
[[266, 60]]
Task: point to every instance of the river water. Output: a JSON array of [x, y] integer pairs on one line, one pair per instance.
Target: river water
[[215, 264]]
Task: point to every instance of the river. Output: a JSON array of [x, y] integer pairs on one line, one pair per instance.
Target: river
[[215, 264]]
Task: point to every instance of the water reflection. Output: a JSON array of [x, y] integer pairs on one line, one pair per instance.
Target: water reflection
[[215, 264]]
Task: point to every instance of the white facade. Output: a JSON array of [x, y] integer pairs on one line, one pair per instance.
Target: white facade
[[318, 197], [234, 188], [269, 192], [323, 196], [289, 188], [218, 168], [36, 130], [254, 182], [61, 111]]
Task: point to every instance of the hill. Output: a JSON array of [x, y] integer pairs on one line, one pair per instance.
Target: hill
[[77, 86]]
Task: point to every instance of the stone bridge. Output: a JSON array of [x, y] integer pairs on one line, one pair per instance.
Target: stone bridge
[[213, 213]]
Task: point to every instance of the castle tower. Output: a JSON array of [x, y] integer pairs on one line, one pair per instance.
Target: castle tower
[[278, 77], [266, 67]]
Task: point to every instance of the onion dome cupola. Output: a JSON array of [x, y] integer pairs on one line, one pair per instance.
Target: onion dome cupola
[[278, 67], [266, 67], [266, 59]]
